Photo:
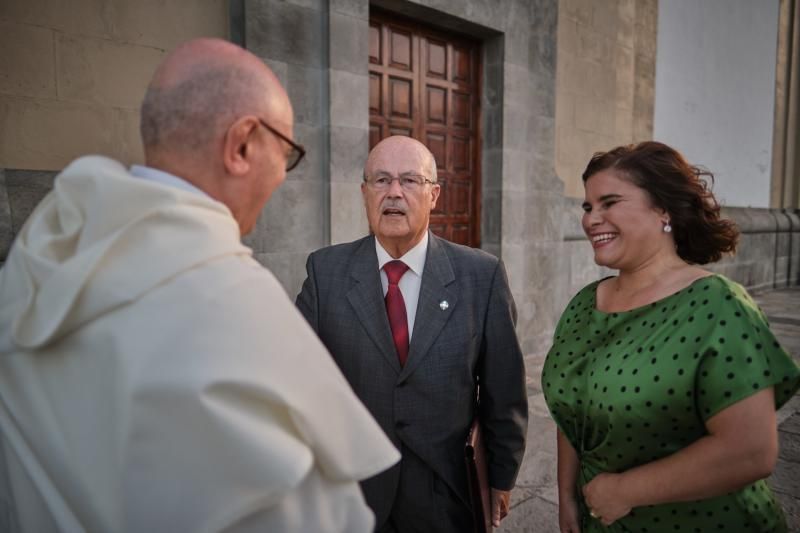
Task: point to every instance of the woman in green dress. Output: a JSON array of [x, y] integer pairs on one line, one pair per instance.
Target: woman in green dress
[[663, 380]]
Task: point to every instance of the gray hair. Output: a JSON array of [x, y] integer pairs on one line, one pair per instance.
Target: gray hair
[[188, 115]]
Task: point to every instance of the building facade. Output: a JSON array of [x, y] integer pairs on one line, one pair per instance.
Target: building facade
[[512, 96]]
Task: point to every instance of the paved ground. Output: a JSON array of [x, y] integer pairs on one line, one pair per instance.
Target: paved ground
[[535, 500]]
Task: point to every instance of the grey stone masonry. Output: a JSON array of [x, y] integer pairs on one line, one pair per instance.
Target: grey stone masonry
[[769, 248], [291, 37], [348, 94], [6, 233], [20, 192], [319, 50]]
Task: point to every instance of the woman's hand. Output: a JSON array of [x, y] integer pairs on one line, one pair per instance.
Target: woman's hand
[[569, 516], [741, 447], [604, 498]]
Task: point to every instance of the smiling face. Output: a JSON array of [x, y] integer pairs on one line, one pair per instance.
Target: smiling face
[[624, 228], [399, 218]]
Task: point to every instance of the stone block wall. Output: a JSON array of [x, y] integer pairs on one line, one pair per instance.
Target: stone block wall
[[318, 50], [605, 82], [72, 74], [20, 193], [768, 255], [348, 33], [291, 37]]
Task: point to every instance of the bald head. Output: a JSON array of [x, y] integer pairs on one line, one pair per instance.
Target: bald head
[[216, 116], [401, 148], [199, 89]]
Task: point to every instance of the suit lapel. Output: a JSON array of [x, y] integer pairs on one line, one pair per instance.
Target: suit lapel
[[435, 306], [366, 297]]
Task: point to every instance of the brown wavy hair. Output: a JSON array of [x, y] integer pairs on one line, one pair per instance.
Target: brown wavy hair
[[681, 189]]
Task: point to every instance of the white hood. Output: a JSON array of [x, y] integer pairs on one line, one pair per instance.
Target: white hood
[[80, 272]]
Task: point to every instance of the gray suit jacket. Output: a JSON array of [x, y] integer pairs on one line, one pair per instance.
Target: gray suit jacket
[[429, 403]]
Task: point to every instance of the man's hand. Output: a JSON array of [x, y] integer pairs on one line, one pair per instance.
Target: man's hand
[[604, 498], [499, 505]]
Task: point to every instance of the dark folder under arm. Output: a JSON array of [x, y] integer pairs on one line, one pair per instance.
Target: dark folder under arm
[[478, 478]]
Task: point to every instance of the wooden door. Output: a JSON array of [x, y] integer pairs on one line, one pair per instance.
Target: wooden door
[[425, 84]]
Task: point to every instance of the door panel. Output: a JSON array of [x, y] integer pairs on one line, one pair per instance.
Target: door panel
[[424, 83]]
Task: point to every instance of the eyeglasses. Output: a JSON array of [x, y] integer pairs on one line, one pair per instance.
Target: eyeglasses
[[297, 152], [409, 182]]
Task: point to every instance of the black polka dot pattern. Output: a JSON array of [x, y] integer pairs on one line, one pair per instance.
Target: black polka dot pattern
[[632, 387]]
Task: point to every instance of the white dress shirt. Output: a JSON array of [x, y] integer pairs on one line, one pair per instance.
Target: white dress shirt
[[164, 178], [411, 281]]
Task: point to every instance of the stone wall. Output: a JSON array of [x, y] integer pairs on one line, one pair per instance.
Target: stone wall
[[318, 49], [291, 37], [769, 248], [605, 82], [20, 192], [72, 74]]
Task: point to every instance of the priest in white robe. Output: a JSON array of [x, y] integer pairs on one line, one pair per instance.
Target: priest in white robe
[[153, 376]]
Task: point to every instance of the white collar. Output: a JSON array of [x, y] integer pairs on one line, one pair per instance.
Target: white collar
[[414, 258], [164, 178]]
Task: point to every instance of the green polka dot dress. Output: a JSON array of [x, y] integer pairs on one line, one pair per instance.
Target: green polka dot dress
[[632, 387]]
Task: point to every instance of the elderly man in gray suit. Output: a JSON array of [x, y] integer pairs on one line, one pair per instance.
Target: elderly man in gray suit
[[416, 323]]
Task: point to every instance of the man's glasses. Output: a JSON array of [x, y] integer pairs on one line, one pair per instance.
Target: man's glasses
[[297, 152], [409, 182]]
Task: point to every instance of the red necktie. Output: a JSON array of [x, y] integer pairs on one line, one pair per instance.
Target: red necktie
[[396, 308]]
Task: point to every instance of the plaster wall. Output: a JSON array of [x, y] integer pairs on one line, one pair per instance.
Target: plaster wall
[[715, 91]]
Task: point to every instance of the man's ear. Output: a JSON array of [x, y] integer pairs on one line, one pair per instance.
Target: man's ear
[[435, 190], [237, 145]]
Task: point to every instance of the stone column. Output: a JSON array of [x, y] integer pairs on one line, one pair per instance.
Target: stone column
[[785, 183], [291, 37], [349, 117]]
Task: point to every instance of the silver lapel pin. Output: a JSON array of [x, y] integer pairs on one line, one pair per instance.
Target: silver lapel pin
[[443, 305]]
